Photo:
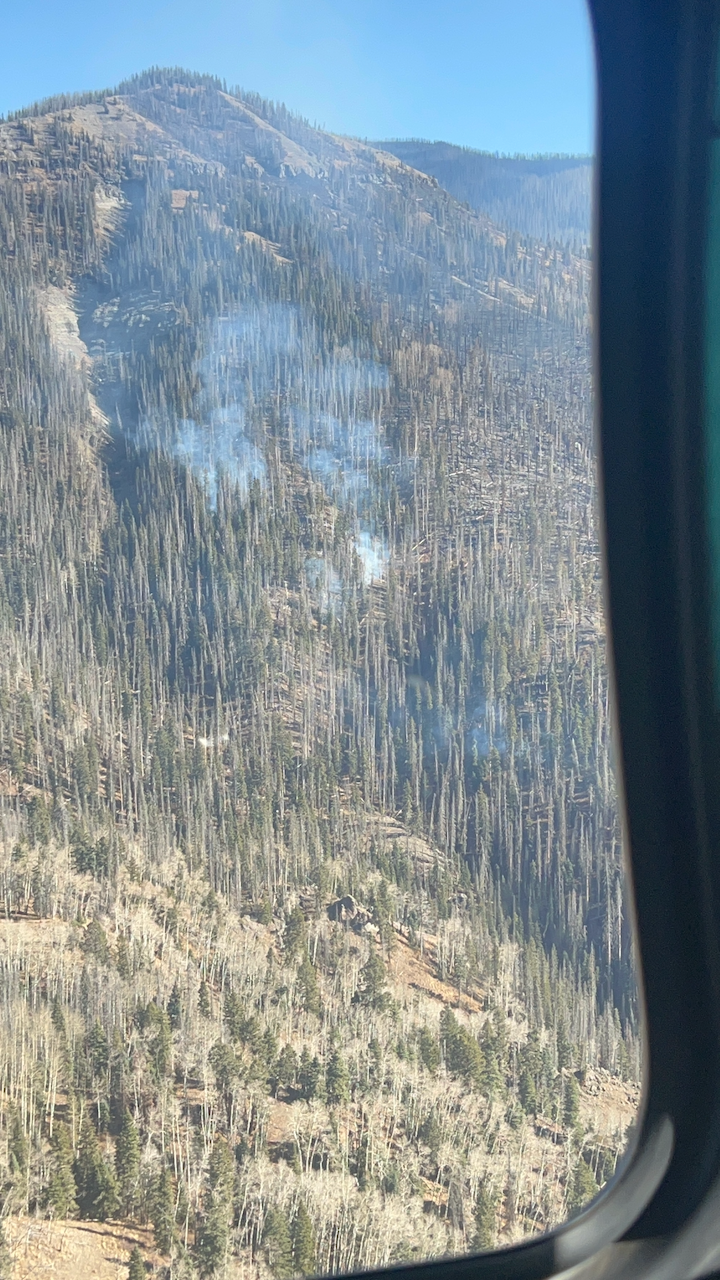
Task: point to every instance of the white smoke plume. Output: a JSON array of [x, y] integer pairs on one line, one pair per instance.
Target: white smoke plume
[[268, 360]]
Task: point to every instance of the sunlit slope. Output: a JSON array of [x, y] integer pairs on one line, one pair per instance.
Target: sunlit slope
[[309, 848]]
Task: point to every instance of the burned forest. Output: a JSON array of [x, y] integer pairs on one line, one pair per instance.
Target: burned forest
[[314, 950]]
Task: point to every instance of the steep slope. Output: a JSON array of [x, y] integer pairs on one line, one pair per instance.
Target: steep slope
[[543, 196], [315, 935]]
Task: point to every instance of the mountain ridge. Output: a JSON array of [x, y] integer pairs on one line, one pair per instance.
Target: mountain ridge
[[547, 197]]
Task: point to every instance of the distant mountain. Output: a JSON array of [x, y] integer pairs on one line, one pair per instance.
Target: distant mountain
[[543, 196]]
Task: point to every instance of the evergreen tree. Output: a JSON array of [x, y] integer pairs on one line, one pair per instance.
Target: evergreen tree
[[528, 1092], [62, 1191], [122, 958], [295, 933], [234, 1016], [373, 979], [337, 1079], [174, 1008], [310, 1076], [214, 1237], [484, 1215], [204, 1000], [95, 942], [58, 1017], [463, 1054], [215, 1234], [225, 1065], [136, 1266], [307, 980], [429, 1049], [571, 1107], [278, 1244], [431, 1133], [583, 1187], [221, 1171], [160, 1043], [287, 1067], [304, 1245], [98, 1050], [564, 1048], [97, 1189], [127, 1163], [162, 1213], [490, 1077]]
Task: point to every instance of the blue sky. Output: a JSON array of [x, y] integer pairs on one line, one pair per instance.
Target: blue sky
[[501, 75]]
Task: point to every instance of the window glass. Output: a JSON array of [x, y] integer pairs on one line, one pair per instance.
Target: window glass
[[315, 955]]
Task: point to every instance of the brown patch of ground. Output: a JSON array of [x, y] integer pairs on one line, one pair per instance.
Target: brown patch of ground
[[69, 1250], [414, 971], [280, 1123], [268, 245]]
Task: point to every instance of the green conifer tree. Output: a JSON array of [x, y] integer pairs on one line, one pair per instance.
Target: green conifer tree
[[162, 1211], [98, 1050], [122, 959], [286, 1070], [224, 1063], [337, 1079], [62, 1191], [214, 1237], [583, 1187], [484, 1215], [58, 1017], [234, 1015], [174, 1008], [304, 1244], [221, 1170], [278, 1244], [136, 1266], [204, 1000], [310, 991], [127, 1163], [215, 1234], [97, 1189], [429, 1049], [528, 1092], [295, 933], [310, 1076], [373, 979], [431, 1134], [571, 1103]]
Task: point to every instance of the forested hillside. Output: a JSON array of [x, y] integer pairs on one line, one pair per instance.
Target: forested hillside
[[314, 952], [543, 196]]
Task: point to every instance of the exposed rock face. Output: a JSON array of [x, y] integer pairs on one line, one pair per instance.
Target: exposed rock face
[[348, 910]]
